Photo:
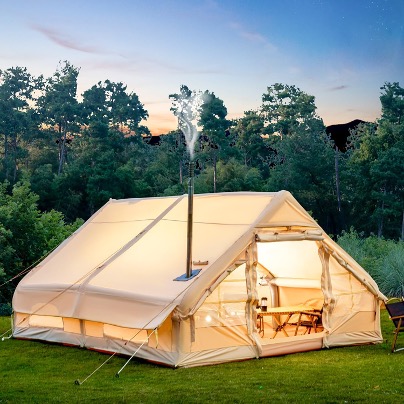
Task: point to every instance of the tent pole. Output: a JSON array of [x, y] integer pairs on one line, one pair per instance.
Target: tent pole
[[190, 218]]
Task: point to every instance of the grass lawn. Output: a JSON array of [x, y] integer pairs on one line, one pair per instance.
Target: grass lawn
[[32, 372]]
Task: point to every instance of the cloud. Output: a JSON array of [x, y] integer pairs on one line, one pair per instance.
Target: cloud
[[65, 41], [338, 88], [252, 36], [149, 66]]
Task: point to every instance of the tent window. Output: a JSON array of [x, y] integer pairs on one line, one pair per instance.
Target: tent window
[[226, 305], [72, 325], [93, 329], [125, 334], [45, 321]]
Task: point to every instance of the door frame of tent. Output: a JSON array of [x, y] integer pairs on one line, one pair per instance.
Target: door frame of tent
[[249, 257]]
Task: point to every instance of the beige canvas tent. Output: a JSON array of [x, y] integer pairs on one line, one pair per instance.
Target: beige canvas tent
[[112, 285]]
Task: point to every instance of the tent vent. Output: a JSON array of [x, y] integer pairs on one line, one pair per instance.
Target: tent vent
[[184, 278]]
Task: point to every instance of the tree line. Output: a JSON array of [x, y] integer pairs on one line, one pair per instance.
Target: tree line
[[64, 154]]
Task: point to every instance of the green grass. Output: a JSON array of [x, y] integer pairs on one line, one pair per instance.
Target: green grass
[[32, 372]]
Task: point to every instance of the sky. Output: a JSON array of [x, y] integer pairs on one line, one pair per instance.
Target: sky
[[340, 51]]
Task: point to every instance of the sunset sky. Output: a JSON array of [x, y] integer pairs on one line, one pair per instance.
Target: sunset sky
[[340, 51]]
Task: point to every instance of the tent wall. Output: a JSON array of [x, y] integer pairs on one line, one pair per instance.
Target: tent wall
[[159, 346], [353, 311], [295, 296], [221, 320], [218, 330], [283, 346]]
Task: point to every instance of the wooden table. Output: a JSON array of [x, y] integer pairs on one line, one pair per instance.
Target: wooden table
[[276, 312]]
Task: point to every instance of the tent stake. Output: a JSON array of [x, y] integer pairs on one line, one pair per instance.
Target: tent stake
[[79, 383]]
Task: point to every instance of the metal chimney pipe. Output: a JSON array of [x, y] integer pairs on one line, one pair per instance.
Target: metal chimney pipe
[[190, 218]]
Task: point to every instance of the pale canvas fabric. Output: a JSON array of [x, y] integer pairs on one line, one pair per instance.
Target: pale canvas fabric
[[111, 285]]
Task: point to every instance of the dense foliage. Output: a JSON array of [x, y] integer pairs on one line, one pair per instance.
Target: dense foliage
[[26, 234], [63, 155], [383, 259]]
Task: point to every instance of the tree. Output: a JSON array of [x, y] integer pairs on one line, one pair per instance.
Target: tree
[[286, 108], [26, 234], [111, 104], [59, 107], [17, 119], [250, 143], [307, 172], [375, 170], [216, 139], [104, 164], [171, 155], [94, 104], [392, 100], [233, 177], [303, 154]]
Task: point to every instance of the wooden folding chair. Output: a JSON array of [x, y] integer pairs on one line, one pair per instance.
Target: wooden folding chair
[[311, 320], [396, 313]]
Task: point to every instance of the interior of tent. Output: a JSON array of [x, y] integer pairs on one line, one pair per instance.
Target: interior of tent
[[289, 275]]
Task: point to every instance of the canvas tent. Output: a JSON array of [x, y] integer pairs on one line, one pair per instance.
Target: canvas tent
[[111, 285]]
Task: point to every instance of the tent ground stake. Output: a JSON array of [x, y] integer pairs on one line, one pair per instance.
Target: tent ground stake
[[79, 383]]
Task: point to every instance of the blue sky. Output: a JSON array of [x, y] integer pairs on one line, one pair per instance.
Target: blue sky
[[340, 51]]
